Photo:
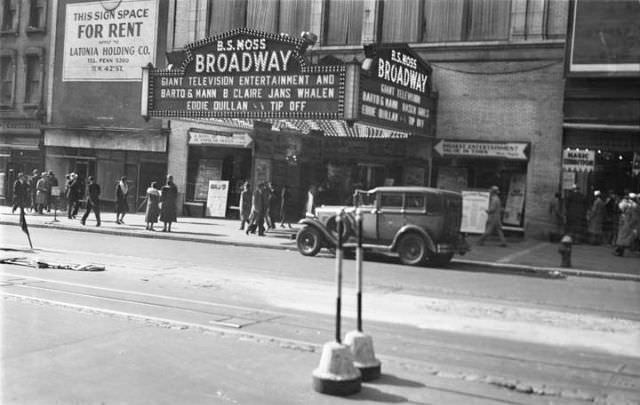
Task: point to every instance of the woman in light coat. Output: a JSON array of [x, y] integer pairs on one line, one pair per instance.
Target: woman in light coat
[[628, 224], [153, 206]]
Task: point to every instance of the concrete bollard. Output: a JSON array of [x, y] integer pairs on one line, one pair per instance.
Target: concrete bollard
[[361, 345], [336, 374]]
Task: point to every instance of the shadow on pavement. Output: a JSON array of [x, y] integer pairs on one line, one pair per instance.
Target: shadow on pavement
[[369, 393], [389, 379]]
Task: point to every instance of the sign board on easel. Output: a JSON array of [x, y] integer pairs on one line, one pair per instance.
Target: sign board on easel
[[217, 198], [474, 211]]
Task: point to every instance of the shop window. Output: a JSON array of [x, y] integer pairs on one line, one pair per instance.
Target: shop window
[[9, 17], [343, 22], [33, 82], [37, 15], [7, 77]]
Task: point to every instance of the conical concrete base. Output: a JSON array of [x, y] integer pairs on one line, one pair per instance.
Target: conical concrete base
[[361, 346], [336, 373]]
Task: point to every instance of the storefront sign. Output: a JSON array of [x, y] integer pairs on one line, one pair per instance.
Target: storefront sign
[[395, 89], [240, 140], [217, 198], [503, 150], [604, 38], [245, 74], [474, 211], [109, 44], [578, 160]]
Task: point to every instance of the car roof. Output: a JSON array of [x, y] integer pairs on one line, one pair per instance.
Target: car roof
[[412, 189]]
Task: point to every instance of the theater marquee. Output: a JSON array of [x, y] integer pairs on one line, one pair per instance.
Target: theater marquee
[[245, 74]]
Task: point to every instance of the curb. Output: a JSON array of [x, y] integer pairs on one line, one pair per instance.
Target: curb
[[548, 272]]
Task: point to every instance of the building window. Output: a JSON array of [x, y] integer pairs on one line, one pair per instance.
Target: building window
[[557, 17], [9, 18], [343, 22], [226, 15], [37, 14], [295, 17], [8, 76], [445, 20], [33, 85]]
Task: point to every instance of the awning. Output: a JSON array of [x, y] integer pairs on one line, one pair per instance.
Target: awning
[[146, 141]]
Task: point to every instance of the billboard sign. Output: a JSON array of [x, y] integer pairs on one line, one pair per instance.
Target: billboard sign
[[104, 44], [245, 74], [475, 149], [604, 38], [395, 89]]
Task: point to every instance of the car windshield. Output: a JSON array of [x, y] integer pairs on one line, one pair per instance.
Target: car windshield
[[363, 198]]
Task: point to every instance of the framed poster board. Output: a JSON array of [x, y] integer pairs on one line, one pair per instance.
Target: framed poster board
[[217, 195], [514, 208], [474, 211], [208, 169]]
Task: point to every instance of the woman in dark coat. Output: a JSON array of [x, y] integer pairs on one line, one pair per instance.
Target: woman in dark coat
[[168, 196], [153, 206]]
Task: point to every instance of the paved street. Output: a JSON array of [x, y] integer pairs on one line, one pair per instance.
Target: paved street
[[261, 315]]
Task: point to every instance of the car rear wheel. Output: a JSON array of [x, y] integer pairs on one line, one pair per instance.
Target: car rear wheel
[[308, 241], [440, 259], [412, 249]]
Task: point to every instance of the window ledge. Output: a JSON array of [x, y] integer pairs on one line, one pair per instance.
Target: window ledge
[[35, 30], [28, 106], [6, 33]]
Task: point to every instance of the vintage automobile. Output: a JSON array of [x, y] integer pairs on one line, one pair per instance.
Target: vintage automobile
[[419, 224]]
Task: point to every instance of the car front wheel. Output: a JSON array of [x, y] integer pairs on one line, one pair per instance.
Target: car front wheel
[[412, 249], [308, 241]]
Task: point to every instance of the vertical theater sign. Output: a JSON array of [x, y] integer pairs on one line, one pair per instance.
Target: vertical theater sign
[[245, 74]]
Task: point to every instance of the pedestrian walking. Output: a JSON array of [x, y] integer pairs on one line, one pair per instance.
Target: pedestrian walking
[[595, 218], [268, 196], [33, 188], [122, 192], [74, 195], [556, 212], [494, 217], [20, 193], [245, 205], [168, 209], [93, 202], [285, 206], [52, 181], [42, 193], [627, 226], [257, 211], [610, 223], [153, 206]]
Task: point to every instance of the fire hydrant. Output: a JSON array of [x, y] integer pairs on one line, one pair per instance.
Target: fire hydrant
[[565, 250]]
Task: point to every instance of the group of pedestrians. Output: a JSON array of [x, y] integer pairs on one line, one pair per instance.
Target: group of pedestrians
[[34, 192], [609, 219], [262, 206]]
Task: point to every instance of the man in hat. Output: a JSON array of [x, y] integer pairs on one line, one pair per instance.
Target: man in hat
[[93, 201], [494, 217]]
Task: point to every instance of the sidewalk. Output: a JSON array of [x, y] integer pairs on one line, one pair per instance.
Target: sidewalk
[[521, 255]]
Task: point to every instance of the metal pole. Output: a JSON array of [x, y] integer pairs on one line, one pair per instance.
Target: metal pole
[[339, 277], [359, 257]]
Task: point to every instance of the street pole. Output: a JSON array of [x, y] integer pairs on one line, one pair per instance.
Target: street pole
[[359, 258], [339, 278]]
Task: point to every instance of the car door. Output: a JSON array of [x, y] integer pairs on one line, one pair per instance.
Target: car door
[[369, 214], [390, 216]]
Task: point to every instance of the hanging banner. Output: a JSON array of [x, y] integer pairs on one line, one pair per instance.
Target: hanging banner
[[245, 74], [473, 149], [474, 211], [514, 207], [217, 198], [578, 160], [109, 44]]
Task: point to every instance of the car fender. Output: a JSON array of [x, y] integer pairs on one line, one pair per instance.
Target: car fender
[[313, 222], [412, 228]]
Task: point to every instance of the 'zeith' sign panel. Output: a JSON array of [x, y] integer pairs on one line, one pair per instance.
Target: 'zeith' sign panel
[[395, 89], [247, 74]]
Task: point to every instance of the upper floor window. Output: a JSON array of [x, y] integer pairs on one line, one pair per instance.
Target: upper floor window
[[9, 17], [33, 79], [37, 14], [445, 20], [7, 78], [343, 22]]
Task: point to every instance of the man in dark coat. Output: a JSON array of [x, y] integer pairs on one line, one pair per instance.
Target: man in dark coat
[[576, 212], [93, 201], [74, 195], [257, 211], [20, 193], [33, 182], [168, 204]]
